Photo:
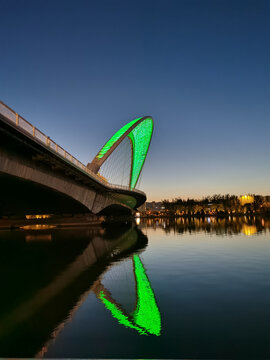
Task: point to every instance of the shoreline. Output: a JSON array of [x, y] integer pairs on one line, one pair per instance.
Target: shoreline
[[238, 215]]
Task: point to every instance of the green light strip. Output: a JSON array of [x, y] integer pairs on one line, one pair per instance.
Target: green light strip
[[114, 138], [118, 314], [146, 318], [140, 137], [146, 314]]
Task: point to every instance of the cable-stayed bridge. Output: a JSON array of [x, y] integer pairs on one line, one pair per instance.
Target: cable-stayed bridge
[[38, 176]]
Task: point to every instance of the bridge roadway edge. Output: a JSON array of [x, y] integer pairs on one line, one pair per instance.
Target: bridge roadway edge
[[37, 164]]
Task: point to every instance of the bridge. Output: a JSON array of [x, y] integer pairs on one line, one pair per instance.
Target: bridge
[[38, 176]]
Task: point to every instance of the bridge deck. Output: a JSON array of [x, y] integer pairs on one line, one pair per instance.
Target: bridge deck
[[17, 122]]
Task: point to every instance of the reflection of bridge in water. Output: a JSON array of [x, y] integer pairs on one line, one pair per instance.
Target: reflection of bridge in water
[[40, 177], [145, 319], [48, 301]]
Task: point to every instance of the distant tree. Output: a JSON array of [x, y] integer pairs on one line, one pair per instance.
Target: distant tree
[[258, 202]]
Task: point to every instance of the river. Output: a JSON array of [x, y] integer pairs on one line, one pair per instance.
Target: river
[[164, 288]]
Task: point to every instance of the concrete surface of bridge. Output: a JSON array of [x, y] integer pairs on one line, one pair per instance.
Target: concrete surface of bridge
[[37, 176]]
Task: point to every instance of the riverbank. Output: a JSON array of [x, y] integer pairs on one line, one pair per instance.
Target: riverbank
[[174, 216], [59, 221]]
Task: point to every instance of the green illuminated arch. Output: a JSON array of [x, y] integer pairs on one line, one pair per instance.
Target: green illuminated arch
[[114, 138], [146, 318], [139, 131]]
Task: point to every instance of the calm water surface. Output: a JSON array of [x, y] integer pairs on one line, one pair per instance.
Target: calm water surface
[[165, 289]]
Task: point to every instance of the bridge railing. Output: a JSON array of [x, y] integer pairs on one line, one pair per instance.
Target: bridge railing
[[27, 127]]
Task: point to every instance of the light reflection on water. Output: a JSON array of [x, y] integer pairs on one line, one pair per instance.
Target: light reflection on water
[[37, 227], [249, 225], [197, 288]]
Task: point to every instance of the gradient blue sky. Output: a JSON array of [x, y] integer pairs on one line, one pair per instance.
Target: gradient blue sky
[[79, 70]]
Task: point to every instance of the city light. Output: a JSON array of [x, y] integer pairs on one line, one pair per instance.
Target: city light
[[43, 216]]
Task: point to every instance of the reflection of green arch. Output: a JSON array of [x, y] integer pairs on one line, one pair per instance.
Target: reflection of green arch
[[139, 132], [146, 318]]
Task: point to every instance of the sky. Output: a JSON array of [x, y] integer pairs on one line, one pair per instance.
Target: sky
[[79, 70]]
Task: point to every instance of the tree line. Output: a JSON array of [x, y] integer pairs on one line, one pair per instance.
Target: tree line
[[215, 204]]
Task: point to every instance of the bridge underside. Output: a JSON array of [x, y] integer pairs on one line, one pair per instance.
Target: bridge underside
[[33, 180], [21, 197]]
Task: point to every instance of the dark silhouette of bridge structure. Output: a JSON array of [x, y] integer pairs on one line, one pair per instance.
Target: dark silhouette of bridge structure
[[38, 176], [64, 281]]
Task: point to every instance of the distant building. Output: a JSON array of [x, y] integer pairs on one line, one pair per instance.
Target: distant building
[[142, 208], [154, 206], [246, 199]]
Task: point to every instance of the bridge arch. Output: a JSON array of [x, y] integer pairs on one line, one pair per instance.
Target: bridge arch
[[139, 132]]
